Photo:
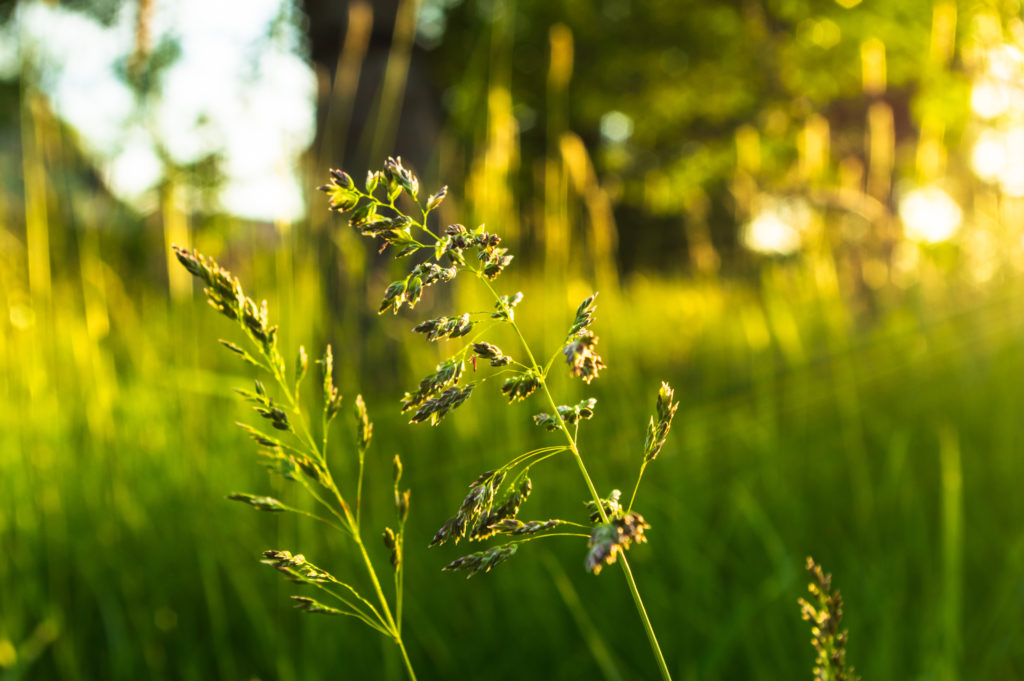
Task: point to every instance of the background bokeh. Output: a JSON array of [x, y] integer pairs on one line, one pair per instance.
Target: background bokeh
[[804, 214]]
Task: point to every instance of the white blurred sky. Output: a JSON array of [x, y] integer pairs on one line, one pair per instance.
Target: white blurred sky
[[233, 90]]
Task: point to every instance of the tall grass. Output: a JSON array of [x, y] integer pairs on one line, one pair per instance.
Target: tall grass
[[888, 446]]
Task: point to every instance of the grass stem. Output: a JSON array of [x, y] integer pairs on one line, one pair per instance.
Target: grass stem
[[630, 581]]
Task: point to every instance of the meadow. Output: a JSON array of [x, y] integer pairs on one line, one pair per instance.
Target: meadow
[[888, 448], [869, 421]]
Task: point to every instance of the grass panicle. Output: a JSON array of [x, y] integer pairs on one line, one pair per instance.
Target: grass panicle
[[389, 209], [297, 455], [825, 613]]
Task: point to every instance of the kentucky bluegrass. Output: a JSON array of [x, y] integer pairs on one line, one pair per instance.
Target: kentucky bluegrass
[[295, 453], [391, 208]]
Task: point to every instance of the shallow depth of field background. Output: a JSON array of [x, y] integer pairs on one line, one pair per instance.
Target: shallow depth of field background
[[807, 216]]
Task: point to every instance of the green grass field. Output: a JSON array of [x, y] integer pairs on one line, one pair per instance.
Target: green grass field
[[888, 446]]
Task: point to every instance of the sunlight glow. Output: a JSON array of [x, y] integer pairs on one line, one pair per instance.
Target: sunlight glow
[[778, 228], [929, 215], [989, 98], [989, 156], [239, 89], [616, 127], [993, 159], [134, 171]]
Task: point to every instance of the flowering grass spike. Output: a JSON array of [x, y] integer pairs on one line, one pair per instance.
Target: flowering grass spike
[[390, 211], [294, 453]]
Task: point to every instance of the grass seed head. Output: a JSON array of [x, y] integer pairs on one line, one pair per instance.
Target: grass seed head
[[612, 507], [402, 504], [520, 387], [483, 561], [396, 469], [657, 431], [492, 353], [584, 362], [259, 503], [314, 607], [609, 539], [364, 429], [584, 315], [826, 614]]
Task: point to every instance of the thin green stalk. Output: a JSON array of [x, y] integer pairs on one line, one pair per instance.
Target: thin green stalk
[[359, 486], [552, 534], [636, 487], [399, 579], [630, 581], [354, 610], [648, 628], [405, 658], [391, 627]]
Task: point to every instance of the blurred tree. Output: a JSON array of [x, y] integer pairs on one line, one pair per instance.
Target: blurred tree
[[664, 92]]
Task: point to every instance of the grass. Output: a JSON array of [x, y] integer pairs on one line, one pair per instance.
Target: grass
[[492, 505], [124, 557], [887, 446]]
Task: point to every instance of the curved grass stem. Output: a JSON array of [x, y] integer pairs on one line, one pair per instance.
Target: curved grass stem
[[390, 625], [571, 441]]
